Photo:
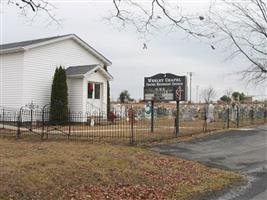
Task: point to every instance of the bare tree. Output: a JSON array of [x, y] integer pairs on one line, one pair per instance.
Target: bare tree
[[155, 15], [241, 27], [208, 94], [28, 7], [144, 16], [228, 92]]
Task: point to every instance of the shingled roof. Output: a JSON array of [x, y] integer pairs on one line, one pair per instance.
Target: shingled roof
[[25, 45], [79, 70], [28, 42], [84, 69]]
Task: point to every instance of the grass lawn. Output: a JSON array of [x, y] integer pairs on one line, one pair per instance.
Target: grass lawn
[[34, 169]]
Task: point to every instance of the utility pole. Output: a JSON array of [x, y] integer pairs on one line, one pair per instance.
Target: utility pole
[[190, 94], [197, 99]]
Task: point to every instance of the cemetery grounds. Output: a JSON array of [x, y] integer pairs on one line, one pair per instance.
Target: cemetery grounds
[[132, 122]]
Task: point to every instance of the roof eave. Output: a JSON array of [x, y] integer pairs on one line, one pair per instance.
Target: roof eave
[[92, 50], [109, 77], [12, 50], [107, 74], [48, 42], [75, 76]]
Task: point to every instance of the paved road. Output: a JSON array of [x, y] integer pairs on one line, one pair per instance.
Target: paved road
[[243, 150]]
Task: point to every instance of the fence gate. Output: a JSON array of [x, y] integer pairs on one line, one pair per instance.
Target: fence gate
[[29, 119]]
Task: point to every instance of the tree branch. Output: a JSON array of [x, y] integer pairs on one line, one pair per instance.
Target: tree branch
[[241, 28], [36, 6]]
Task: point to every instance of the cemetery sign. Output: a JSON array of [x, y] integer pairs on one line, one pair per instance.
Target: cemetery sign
[[165, 87]]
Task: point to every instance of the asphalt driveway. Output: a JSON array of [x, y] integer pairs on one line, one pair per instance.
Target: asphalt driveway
[[243, 150]]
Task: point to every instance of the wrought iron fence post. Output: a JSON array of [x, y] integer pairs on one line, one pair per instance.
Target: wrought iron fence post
[[228, 118], [19, 124], [205, 125], [31, 119], [43, 124], [152, 117], [18, 128], [241, 117], [237, 117], [265, 115], [99, 116], [69, 122], [3, 118], [252, 115], [132, 127]]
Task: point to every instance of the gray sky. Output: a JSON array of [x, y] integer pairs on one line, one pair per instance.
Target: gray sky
[[166, 53]]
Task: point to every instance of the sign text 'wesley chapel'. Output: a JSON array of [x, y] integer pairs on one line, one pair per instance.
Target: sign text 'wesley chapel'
[[163, 82], [165, 87]]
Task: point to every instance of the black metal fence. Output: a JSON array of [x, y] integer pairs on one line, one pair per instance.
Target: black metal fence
[[130, 123]]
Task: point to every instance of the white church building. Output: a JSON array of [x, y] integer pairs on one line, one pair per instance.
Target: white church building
[[27, 69]]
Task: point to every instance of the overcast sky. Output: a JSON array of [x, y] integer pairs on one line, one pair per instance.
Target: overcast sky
[[166, 53]]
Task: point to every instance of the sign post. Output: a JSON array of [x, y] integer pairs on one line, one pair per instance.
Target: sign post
[[165, 87], [152, 116], [178, 95], [177, 119]]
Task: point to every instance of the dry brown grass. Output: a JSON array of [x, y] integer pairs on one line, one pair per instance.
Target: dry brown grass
[[34, 169]]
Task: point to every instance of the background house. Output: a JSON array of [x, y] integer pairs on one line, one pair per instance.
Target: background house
[[27, 69]]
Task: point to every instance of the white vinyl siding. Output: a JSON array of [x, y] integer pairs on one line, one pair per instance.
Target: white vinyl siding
[[75, 91], [40, 64], [11, 75]]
